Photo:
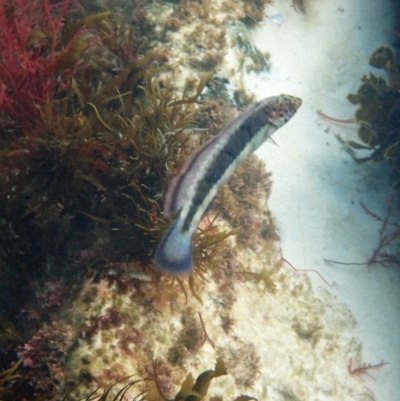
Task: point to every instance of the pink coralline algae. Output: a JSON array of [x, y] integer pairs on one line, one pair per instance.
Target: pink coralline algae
[[44, 355]]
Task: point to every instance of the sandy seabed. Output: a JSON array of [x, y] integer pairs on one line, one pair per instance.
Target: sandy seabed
[[317, 186]]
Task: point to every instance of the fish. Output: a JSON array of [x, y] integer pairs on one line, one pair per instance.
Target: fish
[[192, 191]]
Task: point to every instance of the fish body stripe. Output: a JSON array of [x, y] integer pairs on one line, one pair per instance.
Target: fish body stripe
[[229, 148], [180, 187], [207, 169], [245, 140]]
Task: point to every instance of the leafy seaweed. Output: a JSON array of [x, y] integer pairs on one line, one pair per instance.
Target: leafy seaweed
[[379, 112], [191, 390]]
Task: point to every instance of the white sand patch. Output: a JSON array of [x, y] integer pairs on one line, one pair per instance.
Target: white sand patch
[[317, 186]]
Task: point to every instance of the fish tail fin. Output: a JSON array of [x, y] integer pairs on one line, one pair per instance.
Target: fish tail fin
[[174, 253]]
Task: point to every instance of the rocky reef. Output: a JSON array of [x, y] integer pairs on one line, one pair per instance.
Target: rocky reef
[[98, 110]]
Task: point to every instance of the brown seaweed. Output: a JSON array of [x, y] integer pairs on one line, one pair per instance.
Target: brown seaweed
[[379, 112]]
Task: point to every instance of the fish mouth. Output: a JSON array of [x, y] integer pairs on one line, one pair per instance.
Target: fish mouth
[[286, 107], [297, 102]]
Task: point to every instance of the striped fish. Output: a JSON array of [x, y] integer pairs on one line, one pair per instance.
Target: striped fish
[[207, 169]]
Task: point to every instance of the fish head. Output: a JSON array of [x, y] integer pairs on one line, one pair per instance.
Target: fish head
[[282, 108]]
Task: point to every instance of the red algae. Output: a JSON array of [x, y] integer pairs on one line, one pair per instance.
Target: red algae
[[31, 51], [363, 370]]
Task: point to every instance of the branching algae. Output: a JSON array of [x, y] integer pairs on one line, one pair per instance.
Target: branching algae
[[97, 149]]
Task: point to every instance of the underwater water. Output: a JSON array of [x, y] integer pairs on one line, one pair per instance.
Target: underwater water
[[294, 290]]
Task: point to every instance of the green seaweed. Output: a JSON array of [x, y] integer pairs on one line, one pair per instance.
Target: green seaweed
[[9, 374], [8, 332], [7, 378], [196, 390]]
